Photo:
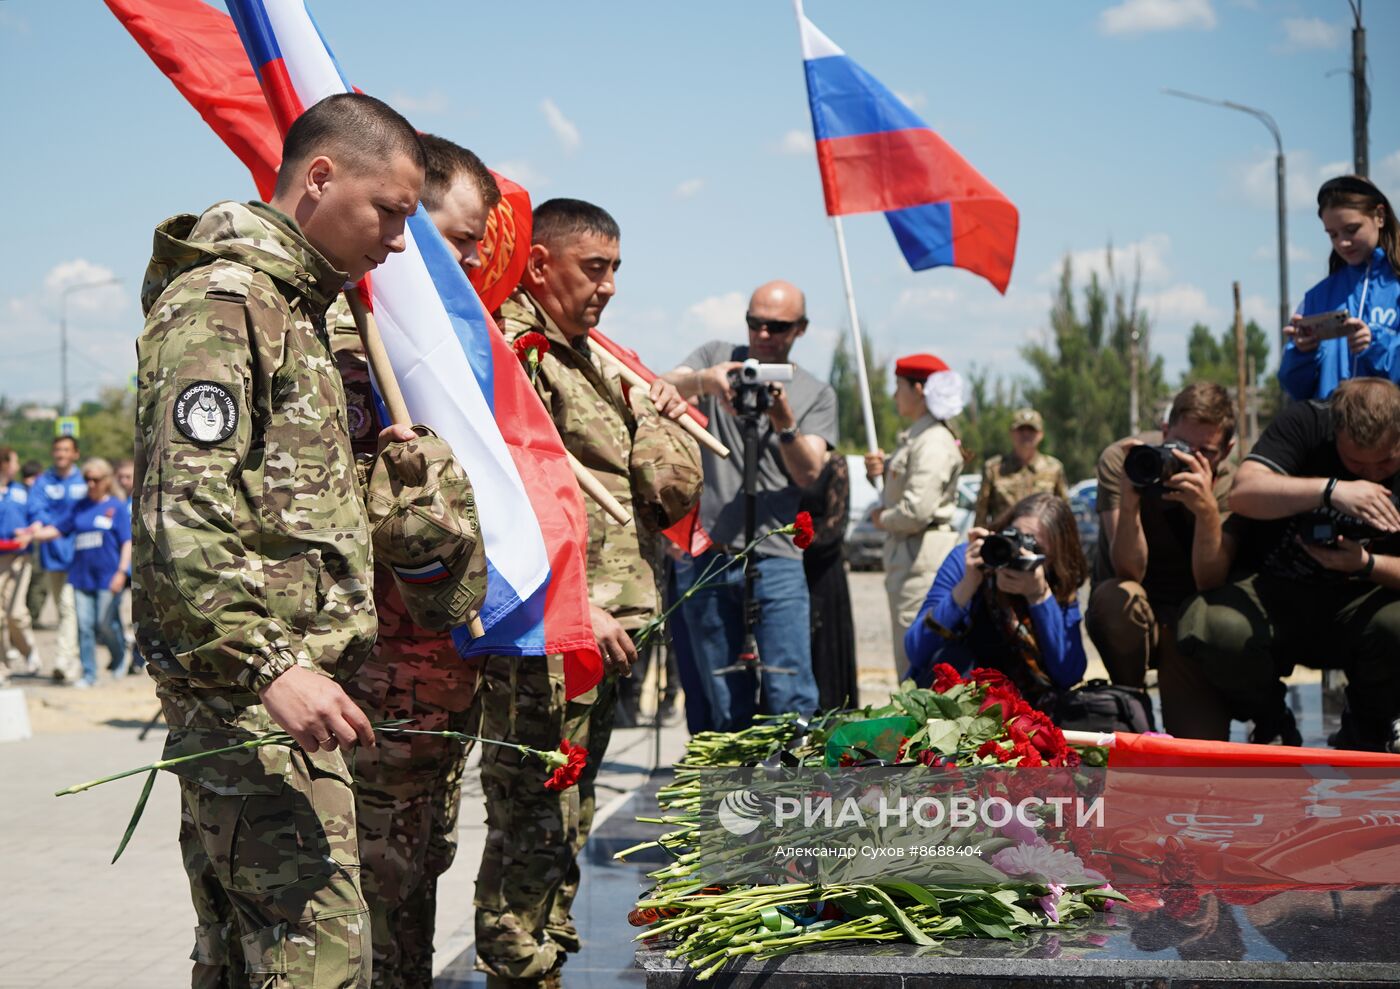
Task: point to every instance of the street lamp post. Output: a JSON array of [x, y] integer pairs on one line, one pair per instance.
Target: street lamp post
[[1283, 304], [63, 332]]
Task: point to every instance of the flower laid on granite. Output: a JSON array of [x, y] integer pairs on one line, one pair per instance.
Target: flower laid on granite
[[1018, 880], [531, 348]]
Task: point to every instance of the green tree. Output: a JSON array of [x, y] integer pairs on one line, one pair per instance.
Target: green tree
[[985, 423], [109, 425], [1209, 358], [1081, 376], [845, 381]]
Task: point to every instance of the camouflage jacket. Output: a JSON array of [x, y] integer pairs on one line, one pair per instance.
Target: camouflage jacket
[[1005, 481], [585, 399], [250, 542]]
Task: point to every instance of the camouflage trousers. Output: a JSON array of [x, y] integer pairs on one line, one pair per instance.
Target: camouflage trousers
[[529, 871], [269, 845], [407, 793]]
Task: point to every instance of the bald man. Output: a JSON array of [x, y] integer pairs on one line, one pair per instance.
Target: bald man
[[796, 434]]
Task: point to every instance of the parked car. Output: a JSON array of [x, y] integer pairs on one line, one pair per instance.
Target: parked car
[[1084, 502], [865, 543]]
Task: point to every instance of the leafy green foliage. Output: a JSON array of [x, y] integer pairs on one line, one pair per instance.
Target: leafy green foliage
[[845, 381]]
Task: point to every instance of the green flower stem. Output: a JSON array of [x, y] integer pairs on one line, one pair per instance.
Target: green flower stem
[[551, 759], [708, 576], [281, 738]]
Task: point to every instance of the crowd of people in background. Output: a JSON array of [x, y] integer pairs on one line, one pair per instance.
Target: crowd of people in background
[[65, 537]]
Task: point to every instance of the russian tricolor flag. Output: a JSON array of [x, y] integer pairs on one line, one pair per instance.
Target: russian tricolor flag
[[875, 154], [456, 371]]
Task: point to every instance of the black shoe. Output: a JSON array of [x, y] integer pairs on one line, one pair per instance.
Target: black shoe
[[1278, 728], [666, 713]]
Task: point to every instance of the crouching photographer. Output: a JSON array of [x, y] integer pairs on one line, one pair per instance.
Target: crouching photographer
[[1316, 529], [1162, 499], [1007, 600]]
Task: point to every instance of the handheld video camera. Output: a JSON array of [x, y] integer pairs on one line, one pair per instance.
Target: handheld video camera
[[1149, 468], [1002, 550], [749, 382]]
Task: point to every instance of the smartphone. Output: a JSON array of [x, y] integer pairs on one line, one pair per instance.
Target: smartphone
[[1324, 326]]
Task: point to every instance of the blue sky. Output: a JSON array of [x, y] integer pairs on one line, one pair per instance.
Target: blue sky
[[689, 123]]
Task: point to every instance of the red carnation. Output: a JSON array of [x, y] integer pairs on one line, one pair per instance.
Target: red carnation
[[803, 533], [526, 342], [945, 678], [567, 774], [988, 677]]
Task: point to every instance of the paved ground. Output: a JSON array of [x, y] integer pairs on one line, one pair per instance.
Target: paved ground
[[74, 920]]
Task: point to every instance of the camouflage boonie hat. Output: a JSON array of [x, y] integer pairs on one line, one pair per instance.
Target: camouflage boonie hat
[[423, 524], [666, 472]]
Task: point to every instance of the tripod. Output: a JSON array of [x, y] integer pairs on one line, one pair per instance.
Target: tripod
[[750, 402]]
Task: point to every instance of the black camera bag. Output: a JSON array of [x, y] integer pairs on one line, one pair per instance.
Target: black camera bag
[[1102, 706]]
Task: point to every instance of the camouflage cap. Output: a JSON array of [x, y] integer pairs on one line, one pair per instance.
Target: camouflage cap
[[1027, 419], [424, 527]]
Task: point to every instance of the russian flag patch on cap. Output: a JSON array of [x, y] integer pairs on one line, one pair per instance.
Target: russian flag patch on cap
[[429, 573]]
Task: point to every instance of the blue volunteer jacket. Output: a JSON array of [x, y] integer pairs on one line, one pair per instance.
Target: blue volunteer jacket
[[14, 510], [1318, 374], [52, 500]]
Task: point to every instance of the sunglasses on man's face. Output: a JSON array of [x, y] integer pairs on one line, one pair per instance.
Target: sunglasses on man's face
[[775, 327], [94, 478]]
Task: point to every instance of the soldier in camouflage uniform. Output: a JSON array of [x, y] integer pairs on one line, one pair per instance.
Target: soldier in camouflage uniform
[[529, 871], [408, 788], [252, 596], [1006, 480]]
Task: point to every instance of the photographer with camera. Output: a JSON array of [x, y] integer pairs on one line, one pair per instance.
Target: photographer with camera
[[1162, 499], [1007, 600], [1316, 528], [785, 419]]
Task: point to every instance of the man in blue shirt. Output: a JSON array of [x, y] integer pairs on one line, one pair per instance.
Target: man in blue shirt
[[55, 493], [16, 643]]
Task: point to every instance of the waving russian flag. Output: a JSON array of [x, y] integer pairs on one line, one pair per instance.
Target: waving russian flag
[[455, 369], [875, 154], [457, 373]]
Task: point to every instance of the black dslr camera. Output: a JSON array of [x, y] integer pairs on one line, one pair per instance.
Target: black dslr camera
[[1329, 528], [749, 384], [1002, 550], [1149, 468]]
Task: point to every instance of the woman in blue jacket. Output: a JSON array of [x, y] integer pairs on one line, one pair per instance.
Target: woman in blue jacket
[[1363, 280], [1023, 622]]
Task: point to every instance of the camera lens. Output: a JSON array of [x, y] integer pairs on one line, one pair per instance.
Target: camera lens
[[1143, 466], [998, 550]]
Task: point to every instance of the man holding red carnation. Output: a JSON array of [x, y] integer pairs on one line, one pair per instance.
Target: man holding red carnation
[[629, 442]]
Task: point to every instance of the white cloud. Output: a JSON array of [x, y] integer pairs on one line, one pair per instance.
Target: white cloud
[[719, 316], [1181, 304], [961, 320], [1133, 17], [1296, 252], [1386, 171], [79, 271], [1150, 253], [796, 142], [102, 327], [564, 129], [1311, 34], [914, 101], [689, 188], [431, 103], [520, 171], [1258, 180]]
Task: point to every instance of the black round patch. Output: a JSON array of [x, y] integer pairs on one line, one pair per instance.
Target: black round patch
[[206, 412], [358, 420]]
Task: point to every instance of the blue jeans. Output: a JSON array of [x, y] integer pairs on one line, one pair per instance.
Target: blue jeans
[[715, 619], [98, 618]]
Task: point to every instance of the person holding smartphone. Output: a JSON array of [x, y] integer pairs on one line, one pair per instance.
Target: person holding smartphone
[[1362, 287]]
